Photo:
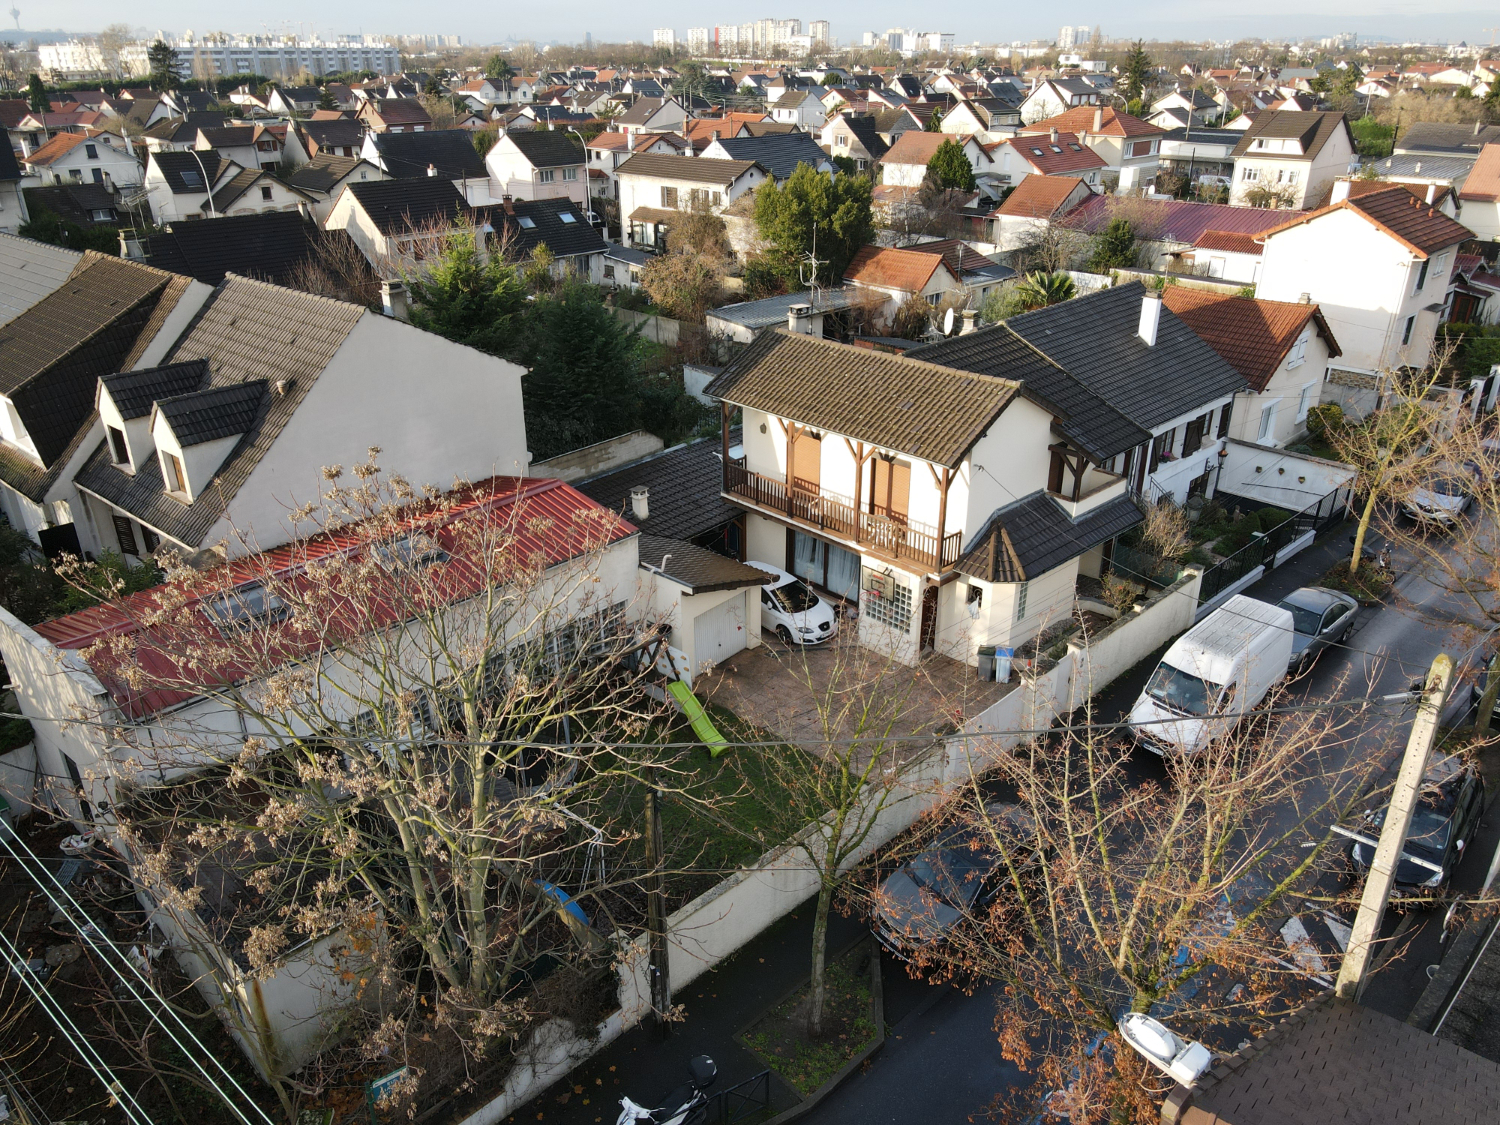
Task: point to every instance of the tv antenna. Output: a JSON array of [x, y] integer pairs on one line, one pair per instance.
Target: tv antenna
[[807, 269]]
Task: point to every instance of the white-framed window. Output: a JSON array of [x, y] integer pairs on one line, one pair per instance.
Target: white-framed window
[[1249, 175], [171, 471], [570, 173], [118, 450], [546, 175], [1267, 421], [1298, 355], [1022, 589], [1421, 276], [1305, 402], [1411, 322]]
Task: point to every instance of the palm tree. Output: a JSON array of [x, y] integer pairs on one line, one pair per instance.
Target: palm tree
[[1042, 289]]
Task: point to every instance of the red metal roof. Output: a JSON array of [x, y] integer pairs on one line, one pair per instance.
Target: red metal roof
[[1176, 220]]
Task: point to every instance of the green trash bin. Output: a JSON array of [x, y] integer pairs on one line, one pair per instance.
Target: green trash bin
[[987, 663]]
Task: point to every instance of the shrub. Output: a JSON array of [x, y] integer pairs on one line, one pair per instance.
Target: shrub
[[1321, 419], [1120, 593]]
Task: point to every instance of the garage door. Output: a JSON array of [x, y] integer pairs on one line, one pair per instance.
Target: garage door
[[719, 633]]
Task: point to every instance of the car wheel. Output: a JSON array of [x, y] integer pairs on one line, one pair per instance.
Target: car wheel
[[783, 634]]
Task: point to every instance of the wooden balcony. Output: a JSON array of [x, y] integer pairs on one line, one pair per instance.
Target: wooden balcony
[[892, 537]]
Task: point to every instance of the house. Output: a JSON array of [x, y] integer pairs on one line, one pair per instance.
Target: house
[[610, 149], [823, 313], [111, 315], [1171, 231], [179, 184], [1378, 267], [12, 201], [1296, 155], [397, 223], [780, 154], [29, 271], [1050, 154], [174, 134], [323, 177], [1436, 179], [1036, 202], [899, 275], [652, 115], [1192, 107], [1475, 294], [521, 226], [306, 139], [252, 191], [978, 274], [84, 205], [653, 188], [1436, 138], [905, 164], [992, 117], [77, 158], [1226, 255], [293, 101], [448, 153], [394, 115], [273, 246], [888, 482], [1052, 96], [856, 136], [1129, 147], [623, 266], [1281, 348], [540, 164], [1481, 194], [266, 387], [802, 108], [1199, 152], [249, 146]]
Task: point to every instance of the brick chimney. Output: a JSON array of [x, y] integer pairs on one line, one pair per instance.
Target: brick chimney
[[510, 205]]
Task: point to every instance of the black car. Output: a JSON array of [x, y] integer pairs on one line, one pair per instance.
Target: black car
[[1446, 817], [923, 900]]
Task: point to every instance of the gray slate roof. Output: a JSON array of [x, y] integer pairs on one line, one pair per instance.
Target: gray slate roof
[[451, 151], [1426, 165], [219, 412], [134, 392], [684, 483], [698, 568], [547, 148], [198, 162], [323, 172], [1442, 139], [769, 311], [1032, 535], [778, 153], [559, 223]]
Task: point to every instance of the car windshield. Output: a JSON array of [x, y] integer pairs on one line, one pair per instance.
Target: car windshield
[[1304, 620], [794, 597], [1181, 691], [953, 874], [1428, 837], [1447, 486]]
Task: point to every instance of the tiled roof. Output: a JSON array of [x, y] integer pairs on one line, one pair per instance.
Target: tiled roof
[[867, 130], [916, 146], [218, 412], [340, 133], [1040, 196], [229, 136], [270, 246], [184, 130], [1056, 156], [198, 162], [1253, 335], [693, 169], [1421, 227], [641, 112], [29, 271], [55, 149], [559, 223], [1032, 535], [547, 148], [401, 111], [962, 258], [1095, 339], [920, 409], [450, 151], [697, 568], [323, 172], [609, 140], [1080, 119], [889, 268], [232, 189], [1312, 128], [685, 483], [12, 110], [1483, 184], [248, 331], [1444, 139], [134, 392], [401, 206], [778, 153], [1229, 241]]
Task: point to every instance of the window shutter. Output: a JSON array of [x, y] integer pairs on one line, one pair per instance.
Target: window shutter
[[125, 533]]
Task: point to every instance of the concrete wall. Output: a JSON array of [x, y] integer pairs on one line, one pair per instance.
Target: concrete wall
[[600, 457], [1286, 480], [18, 778], [658, 329]]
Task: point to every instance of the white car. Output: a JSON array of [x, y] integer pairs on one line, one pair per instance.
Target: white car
[[790, 609], [1443, 497]]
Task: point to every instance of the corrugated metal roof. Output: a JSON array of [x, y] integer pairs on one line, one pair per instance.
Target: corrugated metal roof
[[1175, 220], [772, 310]]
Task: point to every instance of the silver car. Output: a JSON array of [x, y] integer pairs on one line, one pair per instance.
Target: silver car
[[1321, 617]]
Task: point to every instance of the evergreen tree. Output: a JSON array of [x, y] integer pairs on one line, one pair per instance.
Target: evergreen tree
[[1137, 72], [498, 67], [36, 95], [469, 300], [162, 61], [1114, 247], [837, 207], [951, 168], [325, 99]]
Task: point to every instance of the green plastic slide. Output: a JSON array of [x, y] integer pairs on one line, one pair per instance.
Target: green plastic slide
[[703, 726]]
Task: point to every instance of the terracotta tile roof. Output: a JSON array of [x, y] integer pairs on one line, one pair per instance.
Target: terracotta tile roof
[[610, 140], [1229, 241], [401, 111], [1252, 335], [916, 146], [1483, 184], [890, 268], [55, 149], [920, 409], [1080, 119], [1421, 227], [1040, 196], [1056, 157]]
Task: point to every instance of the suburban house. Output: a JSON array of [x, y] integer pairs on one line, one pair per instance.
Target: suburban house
[[899, 275], [539, 164], [323, 177], [394, 115], [78, 158], [447, 153], [1439, 138], [292, 101], [249, 146], [520, 226], [1481, 195], [272, 246], [109, 315], [977, 273], [1052, 96], [200, 184], [905, 164], [1377, 265], [991, 117], [1049, 154], [397, 223], [823, 313], [1184, 107], [654, 188], [610, 149], [917, 492], [84, 205], [1034, 204], [802, 108], [1199, 152], [1281, 348], [177, 133], [652, 115], [306, 139], [1296, 154], [1129, 147], [855, 135], [1176, 235], [778, 153]]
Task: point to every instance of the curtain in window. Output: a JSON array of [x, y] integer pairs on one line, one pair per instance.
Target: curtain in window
[[843, 574], [807, 558]]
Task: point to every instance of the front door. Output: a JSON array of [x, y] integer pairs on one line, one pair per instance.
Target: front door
[[929, 619]]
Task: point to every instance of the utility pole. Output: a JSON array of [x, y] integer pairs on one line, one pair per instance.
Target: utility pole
[[1487, 700], [1356, 966], [656, 914]]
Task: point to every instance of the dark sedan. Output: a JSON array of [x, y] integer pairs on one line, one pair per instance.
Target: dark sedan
[[1321, 617], [1445, 820]]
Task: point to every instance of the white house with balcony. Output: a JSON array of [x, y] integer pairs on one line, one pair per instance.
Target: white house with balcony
[[96, 157], [538, 164]]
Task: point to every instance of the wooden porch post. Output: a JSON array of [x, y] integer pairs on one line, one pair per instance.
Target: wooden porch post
[[857, 451], [942, 525], [726, 411]]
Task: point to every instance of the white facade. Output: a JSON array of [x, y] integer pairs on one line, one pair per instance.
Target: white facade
[[1278, 414], [664, 37], [511, 173], [104, 158], [286, 59], [1277, 162]]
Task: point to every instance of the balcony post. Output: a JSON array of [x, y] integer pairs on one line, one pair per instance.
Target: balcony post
[[857, 451], [942, 521], [726, 411]]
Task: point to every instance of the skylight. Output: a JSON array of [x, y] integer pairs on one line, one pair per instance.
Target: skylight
[[411, 552], [527, 223], [192, 180], [245, 607], [568, 217]]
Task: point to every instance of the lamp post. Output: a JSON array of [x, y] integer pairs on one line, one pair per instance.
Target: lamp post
[[206, 185]]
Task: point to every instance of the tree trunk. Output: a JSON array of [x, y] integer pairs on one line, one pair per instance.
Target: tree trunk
[[1364, 527], [819, 961]]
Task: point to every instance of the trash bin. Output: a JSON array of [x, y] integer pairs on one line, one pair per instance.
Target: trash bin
[[1003, 658], [986, 663]]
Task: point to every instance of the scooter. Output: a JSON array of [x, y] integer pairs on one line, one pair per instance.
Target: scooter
[[686, 1105]]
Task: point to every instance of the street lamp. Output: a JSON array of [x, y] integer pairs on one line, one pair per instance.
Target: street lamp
[[206, 185]]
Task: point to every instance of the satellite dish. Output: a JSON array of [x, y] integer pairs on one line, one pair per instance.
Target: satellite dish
[[948, 322]]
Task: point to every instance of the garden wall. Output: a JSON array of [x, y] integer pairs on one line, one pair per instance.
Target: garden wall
[[601, 457], [18, 778], [658, 329]]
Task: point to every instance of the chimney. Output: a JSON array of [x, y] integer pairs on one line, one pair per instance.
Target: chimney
[[640, 503], [1478, 125], [1054, 134], [393, 300], [968, 323], [799, 319], [1304, 298], [1431, 192], [432, 169], [629, 141], [1150, 316], [510, 204], [1098, 118], [1417, 167]]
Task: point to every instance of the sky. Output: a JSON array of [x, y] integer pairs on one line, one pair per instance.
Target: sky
[[609, 20]]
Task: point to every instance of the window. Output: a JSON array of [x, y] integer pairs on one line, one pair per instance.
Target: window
[[244, 607], [1302, 403], [1422, 275], [1224, 419], [1286, 176], [841, 140], [98, 175], [1216, 267], [609, 272], [887, 599], [1411, 322], [570, 173], [1267, 421], [149, 539], [91, 151], [526, 221], [567, 217], [103, 216], [171, 471], [125, 535], [1021, 591], [119, 451], [1161, 448], [546, 176], [192, 180], [715, 198], [1192, 437], [1298, 355], [1249, 175], [265, 193]]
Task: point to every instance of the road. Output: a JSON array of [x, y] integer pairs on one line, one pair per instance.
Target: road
[[943, 1063]]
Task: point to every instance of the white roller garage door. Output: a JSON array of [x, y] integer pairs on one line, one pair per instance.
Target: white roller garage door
[[719, 633]]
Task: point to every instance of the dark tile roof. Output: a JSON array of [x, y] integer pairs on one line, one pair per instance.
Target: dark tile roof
[[1082, 416], [180, 130], [697, 568], [270, 246], [1442, 139], [1095, 339], [450, 151], [1400, 214], [779, 153], [174, 164], [248, 331], [547, 148], [134, 392], [229, 136], [684, 482], [323, 172], [76, 203], [342, 133], [557, 222], [219, 412], [400, 111], [1335, 1060], [694, 169], [867, 130], [920, 409], [1311, 127], [399, 206], [1032, 535], [641, 111], [231, 190]]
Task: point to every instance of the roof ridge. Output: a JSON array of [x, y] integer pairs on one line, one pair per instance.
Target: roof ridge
[[229, 276]]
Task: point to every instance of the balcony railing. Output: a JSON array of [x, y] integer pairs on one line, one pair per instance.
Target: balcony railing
[[895, 538]]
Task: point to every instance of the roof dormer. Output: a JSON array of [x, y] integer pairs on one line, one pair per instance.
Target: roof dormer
[[194, 434], [124, 403]]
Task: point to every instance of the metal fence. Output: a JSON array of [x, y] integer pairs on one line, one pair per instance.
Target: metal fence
[[741, 1101], [1263, 549]]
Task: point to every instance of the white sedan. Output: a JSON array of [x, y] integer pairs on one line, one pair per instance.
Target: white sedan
[[791, 610]]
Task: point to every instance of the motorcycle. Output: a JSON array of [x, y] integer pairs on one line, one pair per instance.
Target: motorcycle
[[686, 1105]]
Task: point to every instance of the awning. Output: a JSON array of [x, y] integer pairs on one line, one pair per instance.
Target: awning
[[654, 215]]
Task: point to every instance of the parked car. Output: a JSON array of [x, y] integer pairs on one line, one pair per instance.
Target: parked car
[[1445, 820], [1212, 675], [1443, 498], [1321, 617], [791, 610], [924, 899]]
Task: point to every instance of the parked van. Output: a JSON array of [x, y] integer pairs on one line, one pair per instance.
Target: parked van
[[1215, 672]]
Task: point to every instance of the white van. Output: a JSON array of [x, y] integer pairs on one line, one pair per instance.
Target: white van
[[1214, 673]]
